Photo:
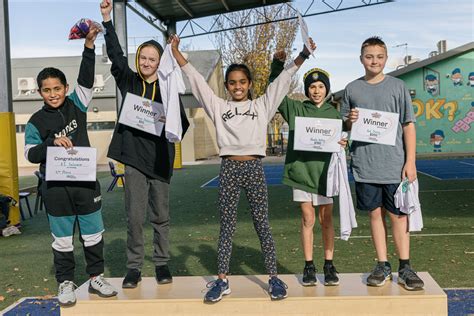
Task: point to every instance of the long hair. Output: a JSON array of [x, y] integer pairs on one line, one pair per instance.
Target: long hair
[[239, 67]]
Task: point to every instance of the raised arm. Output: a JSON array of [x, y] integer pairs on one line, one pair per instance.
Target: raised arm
[[199, 85], [82, 94], [278, 89], [120, 69]]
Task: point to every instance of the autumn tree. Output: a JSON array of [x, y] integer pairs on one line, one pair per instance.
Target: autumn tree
[[255, 46]]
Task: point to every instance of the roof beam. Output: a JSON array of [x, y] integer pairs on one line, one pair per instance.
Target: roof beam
[[190, 24], [149, 19], [225, 4], [185, 8]]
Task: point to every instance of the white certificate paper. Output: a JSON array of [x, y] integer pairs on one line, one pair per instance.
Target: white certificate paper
[[317, 134], [377, 127], [74, 164], [304, 32], [143, 114]]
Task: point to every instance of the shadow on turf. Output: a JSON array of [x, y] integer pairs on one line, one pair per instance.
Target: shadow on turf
[[242, 260]]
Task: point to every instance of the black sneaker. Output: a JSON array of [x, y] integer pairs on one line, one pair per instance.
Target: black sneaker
[[131, 279], [309, 276], [379, 275], [330, 275], [409, 279], [163, 275]]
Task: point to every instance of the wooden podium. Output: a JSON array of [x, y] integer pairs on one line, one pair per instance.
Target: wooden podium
[[249, 297]]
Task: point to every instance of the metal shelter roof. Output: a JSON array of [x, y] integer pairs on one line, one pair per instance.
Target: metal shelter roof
[[163, 14], [180, 10]]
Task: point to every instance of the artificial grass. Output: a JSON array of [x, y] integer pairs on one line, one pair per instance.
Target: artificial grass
[[26, 267]]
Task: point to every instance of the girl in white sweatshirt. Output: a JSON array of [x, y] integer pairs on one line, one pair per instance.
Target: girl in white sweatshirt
[[241, 128]]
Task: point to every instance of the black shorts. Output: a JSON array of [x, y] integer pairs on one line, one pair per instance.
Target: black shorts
[[373, 195], [66, 198]]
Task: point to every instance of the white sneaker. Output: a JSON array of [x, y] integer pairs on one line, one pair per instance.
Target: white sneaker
[[100, 286], [10, 230], [66, 295]]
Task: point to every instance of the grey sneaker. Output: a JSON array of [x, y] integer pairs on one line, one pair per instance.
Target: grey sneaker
[[66, 295], [100, 286], [409, 279], [379, 275]]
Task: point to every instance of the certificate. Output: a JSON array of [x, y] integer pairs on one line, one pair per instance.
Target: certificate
[[375, 127], [143, 114], [317, 134], [73, 164]]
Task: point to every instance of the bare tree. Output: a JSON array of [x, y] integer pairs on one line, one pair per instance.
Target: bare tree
[[254, 46]]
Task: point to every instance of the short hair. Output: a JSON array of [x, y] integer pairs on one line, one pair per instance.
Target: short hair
[[50, 72], [373, 41]]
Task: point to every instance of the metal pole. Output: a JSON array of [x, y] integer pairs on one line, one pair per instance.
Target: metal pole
[[120, 23], [6, 104]]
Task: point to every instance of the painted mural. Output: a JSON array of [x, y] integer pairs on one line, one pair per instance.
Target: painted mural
[[443, 101]]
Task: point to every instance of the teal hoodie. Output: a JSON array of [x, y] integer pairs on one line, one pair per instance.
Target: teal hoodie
[[304, 170]]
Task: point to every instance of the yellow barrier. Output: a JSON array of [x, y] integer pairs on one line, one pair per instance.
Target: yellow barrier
[[120, 169], [8, 163], [178, 157]]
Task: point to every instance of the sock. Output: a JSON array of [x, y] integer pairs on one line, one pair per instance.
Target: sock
[[403, 263], [309, 263], [328, 262], [385, 263]]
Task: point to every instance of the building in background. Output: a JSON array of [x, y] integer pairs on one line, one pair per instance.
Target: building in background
[[442, 91], [198, 143]]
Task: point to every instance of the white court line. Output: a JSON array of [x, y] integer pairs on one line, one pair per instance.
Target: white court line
[[447, 190], [429, 175], [416, 235], [466, 163], [202, 186]]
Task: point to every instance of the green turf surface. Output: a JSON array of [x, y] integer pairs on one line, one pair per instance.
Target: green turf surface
[[26, 267]]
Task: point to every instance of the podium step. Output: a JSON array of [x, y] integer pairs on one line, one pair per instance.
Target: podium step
[[249, 297]]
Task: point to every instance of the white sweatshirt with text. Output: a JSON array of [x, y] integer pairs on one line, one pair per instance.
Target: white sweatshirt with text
[[241, 127]]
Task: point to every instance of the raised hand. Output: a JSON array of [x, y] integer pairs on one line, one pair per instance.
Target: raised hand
[[105, 9], [91, 36], [280, 55], [174, 41], [312, 45]]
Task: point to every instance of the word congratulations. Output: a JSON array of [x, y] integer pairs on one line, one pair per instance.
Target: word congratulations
[[141, 109], [369, 121], [71, 159], [314, 130]]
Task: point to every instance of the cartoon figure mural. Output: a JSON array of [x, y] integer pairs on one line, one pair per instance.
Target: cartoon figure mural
[[456, 77], [431, 84], [471, 79], [435, 139]]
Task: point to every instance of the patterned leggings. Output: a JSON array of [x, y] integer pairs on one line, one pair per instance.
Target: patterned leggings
[[249, 176]]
